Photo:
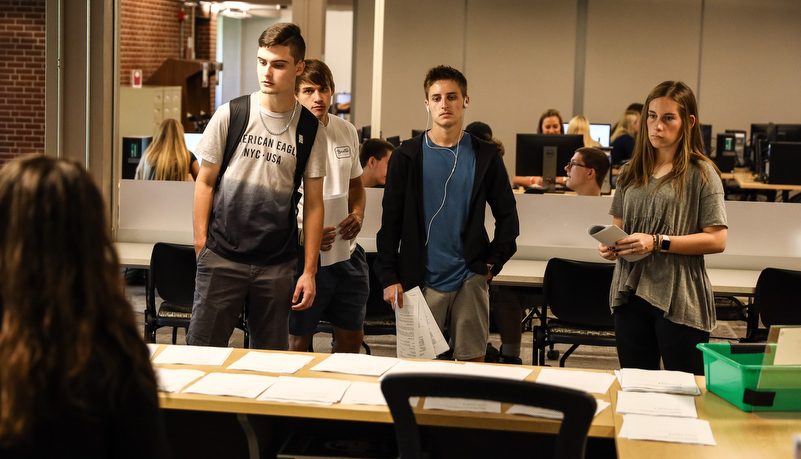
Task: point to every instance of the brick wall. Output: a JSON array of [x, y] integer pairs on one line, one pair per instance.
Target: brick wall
[[22, 77], [150, 33]]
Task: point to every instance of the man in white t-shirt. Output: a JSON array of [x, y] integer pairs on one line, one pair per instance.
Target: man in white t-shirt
[[245, 227], [342, 287]]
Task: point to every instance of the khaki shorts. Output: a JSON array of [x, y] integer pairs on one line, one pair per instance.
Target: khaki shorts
[[463, 315]]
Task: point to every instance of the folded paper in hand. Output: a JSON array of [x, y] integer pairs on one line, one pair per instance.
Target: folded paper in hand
[[608, 235]]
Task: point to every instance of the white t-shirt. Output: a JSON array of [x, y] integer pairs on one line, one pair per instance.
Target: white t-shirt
[[253, 215], [343, 163]]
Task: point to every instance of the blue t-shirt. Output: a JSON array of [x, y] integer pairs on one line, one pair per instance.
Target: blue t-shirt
[[447, 186]]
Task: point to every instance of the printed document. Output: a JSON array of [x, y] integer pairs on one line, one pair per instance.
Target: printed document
[[418, 335], [336, 211]]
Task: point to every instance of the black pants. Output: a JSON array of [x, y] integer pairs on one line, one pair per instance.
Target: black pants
[[644, 336]]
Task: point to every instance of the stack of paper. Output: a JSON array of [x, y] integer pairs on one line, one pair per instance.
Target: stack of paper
[[539, 412], [271, 362], [462, 404], [418, 335], [669, 429], [656, 404], [364, 393], [356, 364], [670, 382], [318, 391]]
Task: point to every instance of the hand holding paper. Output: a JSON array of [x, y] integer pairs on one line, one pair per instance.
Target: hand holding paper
[[608, 235]]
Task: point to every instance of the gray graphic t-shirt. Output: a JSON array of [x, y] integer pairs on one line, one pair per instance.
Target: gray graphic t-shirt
[[253, 215]]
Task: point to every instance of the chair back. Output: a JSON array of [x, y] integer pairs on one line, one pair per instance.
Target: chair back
[[172, 273], [578, 407], [776, 296], [578, 291]]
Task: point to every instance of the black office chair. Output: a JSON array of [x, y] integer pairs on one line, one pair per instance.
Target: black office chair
[[379, 318], [172, 275], [577, 292], [578, 407], [775, 302]]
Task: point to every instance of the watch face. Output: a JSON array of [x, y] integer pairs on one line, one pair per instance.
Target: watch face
[[665, 244]]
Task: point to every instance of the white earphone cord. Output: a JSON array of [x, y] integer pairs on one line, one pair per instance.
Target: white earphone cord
[[455, 161]]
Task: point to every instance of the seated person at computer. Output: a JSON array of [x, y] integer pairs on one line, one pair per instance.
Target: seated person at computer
[[579, 125], [586, 171], [624, 136], [374, 156], [76, 378], [167, 158], [550, 123]]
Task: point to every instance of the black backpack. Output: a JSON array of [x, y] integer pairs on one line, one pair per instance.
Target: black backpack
[[240, 115]]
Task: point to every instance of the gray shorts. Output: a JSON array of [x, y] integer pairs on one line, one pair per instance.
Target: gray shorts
[[221, 287], [464, 315]]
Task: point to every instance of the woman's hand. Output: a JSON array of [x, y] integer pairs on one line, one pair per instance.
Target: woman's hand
[[636, 244], [607, 253]]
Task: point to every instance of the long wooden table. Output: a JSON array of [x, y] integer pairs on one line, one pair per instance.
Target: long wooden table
[[738, 434], [745, 180]]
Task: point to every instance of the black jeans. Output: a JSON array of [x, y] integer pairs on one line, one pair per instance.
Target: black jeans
[[644, 336]]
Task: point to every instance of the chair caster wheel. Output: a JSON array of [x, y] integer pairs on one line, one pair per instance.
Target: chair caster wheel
[[552, 354]]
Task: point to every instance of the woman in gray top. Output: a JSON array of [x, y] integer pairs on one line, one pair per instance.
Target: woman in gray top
[[669, 198]]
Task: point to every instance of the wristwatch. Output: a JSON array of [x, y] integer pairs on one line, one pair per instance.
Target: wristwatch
[[665, 245]]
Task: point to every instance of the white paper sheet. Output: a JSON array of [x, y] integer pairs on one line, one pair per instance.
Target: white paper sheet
[[271, 362], [193, 355], [669, 382], [788, 347], [356, 364], [667, 429], [656, 404], [418, 335], [462, 404], [152, 348], [432, 367], [170, 380], [364, 393], [586, 381], [551, 414], [306, 390], [336, 211], [231, 384], [497, 371]]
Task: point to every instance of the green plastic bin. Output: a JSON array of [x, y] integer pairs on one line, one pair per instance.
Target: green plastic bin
[[733, 372]]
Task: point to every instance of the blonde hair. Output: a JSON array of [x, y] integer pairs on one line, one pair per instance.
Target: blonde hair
[[625, 125], [689, 150], [167, 154], [579, 125]]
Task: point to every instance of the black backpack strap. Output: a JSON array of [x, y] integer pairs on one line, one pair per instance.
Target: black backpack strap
[[304, 140], [238, 123]]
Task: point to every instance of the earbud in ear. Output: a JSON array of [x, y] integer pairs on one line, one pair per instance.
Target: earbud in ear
[[465, 104], [427, 109]]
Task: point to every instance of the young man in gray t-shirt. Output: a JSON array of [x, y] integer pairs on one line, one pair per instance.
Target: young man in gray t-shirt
[[245, 229]]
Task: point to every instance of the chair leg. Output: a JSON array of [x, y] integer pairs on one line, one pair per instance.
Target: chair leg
[[174, 335], [567, 354], [366, 348]]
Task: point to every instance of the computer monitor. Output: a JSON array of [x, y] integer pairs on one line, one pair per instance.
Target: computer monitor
[[784, 163], [599, 132], [341, 98], [788, 132], [706, 137], [394, 140], [365, 133], [545, 155], [416, 132]]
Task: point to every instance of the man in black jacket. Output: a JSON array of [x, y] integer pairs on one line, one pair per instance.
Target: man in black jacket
[[432, 231]]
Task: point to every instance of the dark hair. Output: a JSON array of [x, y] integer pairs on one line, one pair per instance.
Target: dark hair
[[690, 149], [484, 132], [68, 336], [374, 148], [547, 114], [316, 73], [284, 34], [596, 159], [444, 72]]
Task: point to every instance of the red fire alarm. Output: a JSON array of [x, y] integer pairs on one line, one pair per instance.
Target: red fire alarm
[[181, 15]]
